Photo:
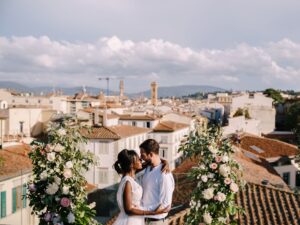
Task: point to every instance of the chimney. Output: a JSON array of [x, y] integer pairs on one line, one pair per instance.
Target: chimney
[[121, 89], [104, 119], [96, 116]]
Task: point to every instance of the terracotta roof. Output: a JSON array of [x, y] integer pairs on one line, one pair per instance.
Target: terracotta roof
[[100, 133], [169, 126], [270, 206], [270, 147], [257, 170], [14, 161], [262, 204], [92, 110], [114, 132], [137, 117], [127, 131], [90, 187]]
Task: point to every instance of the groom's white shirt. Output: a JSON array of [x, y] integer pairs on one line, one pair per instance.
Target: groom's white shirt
[[158, 189]]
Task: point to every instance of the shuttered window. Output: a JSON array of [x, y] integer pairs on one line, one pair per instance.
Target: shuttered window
[[3, 204]]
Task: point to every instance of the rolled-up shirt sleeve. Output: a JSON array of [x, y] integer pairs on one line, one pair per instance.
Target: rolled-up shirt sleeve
[[166, 189]]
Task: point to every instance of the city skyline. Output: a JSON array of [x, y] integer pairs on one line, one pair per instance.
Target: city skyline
[[233, 45]]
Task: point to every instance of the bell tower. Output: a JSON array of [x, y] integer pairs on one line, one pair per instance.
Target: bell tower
[[154, 93]]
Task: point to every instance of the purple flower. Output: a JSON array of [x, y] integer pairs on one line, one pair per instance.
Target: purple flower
[[32, 187], [47, 217]]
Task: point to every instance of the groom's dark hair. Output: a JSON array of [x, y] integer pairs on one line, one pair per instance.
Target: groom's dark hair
[[150, 145]]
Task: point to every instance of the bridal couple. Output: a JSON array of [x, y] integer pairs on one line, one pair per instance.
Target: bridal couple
[[147, 201]]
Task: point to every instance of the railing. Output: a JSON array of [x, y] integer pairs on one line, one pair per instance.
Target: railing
[[178, 218]]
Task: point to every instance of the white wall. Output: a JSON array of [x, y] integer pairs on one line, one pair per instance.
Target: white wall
[[240, 124], [171, 145], [23, 215], [106, 152]]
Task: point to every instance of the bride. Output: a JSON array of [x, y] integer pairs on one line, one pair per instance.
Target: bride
[[130, 193]]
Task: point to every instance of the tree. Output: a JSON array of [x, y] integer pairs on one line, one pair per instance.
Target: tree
[[239, 112], [218, 178], [270, 92], [242, 112], [57, 191]]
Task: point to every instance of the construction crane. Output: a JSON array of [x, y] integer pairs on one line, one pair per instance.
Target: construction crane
[[107, 82]]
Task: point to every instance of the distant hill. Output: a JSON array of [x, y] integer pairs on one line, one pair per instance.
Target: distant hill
[[182, 90], [46, 89], [176, 91]]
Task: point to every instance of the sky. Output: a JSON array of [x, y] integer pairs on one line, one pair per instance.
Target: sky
[[232, 44]]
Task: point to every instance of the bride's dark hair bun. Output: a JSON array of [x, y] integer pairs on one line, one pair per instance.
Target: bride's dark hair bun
[[125, 159]]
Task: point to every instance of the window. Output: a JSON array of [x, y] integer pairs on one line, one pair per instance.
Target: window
[[297, 179], [84, 104], [18, 198], [148, 124], [134, 123], [39, 101], [103, 175], [163, 152], [103, 148], [3, 204], [26, 100], [286, 177]]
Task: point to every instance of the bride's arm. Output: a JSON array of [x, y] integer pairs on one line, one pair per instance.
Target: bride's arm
[[130, 209]]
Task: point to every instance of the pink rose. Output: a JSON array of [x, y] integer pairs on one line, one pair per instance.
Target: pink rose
[[227, 180], [218, 159], [65, 202], [213, 166], [234, 187]]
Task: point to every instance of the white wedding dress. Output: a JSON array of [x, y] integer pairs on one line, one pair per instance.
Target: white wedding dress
[[137, 192]]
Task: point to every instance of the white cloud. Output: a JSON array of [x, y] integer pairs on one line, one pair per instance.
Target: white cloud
[[44, 61]]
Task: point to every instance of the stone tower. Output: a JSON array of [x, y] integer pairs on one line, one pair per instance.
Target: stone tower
[[154, 93], [121, 89]]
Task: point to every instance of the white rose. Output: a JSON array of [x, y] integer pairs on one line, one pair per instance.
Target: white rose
[[61, 132], [202, 167], [211, 175], [57, 180], [208, 193], [58, 148], [71, 218], [68, 173], [207, 218], [69, 165], [234, 187], [204, 178], [221, 197], [43, 175], [212, 149], [222, 219], [51, 156], [225, 158], [92, 205], [65, 190], [52, 189], [224, 170]]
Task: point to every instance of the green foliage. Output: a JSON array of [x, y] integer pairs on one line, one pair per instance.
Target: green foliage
[[242, 112], [218, 178], [57, 191], [239, 112], [270, 92]]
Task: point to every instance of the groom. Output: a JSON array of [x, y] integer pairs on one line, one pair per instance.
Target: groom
[[157, 186]]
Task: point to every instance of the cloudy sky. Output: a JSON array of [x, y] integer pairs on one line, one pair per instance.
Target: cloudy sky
[[233, 44]]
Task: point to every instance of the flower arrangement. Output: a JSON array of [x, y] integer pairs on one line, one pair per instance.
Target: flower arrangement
[[218, 178], [57, 189]]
